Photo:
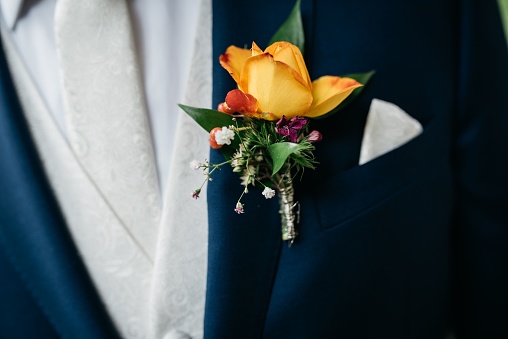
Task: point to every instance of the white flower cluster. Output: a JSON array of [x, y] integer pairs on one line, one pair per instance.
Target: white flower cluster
[[268, 193], [195, 165], [224, 136]]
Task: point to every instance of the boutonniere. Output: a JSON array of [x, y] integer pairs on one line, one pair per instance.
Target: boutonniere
[[263, 126]]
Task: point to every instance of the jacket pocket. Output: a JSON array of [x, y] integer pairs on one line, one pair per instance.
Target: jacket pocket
[[350, 193]]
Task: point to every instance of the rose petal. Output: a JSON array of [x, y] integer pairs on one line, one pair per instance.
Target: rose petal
[[233, 59], [328, 92], [279, 89], [255, 50], [290, 55]]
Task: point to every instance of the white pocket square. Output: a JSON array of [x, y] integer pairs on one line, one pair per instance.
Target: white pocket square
[[387, 128]]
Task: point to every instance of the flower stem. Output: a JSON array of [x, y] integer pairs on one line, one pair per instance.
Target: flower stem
[[289, 209]]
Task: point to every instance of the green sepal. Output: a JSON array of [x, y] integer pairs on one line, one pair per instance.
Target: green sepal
[[280, 152], [208, 119], [292, 29], [362, 78]]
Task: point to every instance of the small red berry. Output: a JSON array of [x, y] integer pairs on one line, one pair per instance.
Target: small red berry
[[213, 142], [241, 102]]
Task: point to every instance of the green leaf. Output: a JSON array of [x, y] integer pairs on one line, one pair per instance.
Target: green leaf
[[503, 8], [303, 161], [209, 118], [280, 152], [361, 78], [292, 29]]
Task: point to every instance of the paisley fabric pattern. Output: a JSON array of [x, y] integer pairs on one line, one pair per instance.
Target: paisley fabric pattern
[[106, 110], [118, 265], [148, 263], [179, 283]]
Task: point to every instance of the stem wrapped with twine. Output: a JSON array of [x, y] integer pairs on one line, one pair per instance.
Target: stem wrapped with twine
[[289, 209]]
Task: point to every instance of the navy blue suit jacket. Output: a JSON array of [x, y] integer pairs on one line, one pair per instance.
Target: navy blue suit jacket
[[409, 245]]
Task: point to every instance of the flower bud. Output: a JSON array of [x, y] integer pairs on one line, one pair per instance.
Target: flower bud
[[224, 108], [314, 136], [213, 142], [241, 102]]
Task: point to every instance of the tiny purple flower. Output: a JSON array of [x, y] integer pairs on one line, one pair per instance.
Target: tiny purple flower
[[290, 128], [195, 194], [315, 136], [297, 123]]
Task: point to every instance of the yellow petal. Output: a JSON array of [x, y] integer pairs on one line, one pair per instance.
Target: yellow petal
[[279, 89], [255, 49], [290, 55], [233, 59], [328, 92]]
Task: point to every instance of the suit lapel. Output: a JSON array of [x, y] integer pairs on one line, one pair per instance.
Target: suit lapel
[[33, 232], [242, 259], [115, 260], [243, 249], [180, 261]]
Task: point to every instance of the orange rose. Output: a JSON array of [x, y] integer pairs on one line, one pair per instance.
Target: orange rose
[[278, 80]]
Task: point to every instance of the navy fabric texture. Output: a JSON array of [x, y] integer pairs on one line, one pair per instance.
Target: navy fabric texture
[[410, 245], [20, 316], [481, 164]]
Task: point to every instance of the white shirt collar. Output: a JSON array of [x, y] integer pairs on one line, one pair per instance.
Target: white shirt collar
[[11, 10]]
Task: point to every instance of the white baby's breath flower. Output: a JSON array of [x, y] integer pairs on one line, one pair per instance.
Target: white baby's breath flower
[[268, 193], [239, 208], [195, 165], [224, 136]]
